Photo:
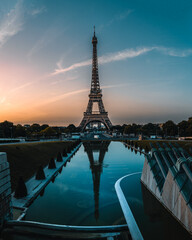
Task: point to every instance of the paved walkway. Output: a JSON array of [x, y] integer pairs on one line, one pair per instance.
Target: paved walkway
[[34, 186]]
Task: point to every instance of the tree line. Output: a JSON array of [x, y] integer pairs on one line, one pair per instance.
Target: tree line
[[169, 128], [9, 130]]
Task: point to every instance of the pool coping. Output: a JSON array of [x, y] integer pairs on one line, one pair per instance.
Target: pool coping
[[130, 220]]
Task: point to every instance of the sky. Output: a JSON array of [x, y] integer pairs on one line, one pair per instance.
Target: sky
[[144, 55]]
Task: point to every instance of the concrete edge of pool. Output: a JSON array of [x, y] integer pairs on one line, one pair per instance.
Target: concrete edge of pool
[[131, 223], [42, 229], [51, 231], [33, 227]]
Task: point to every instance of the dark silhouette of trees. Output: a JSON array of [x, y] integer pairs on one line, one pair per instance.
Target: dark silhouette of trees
[[19, 131], [44, 126], [6, 129], [170, 128], [182, 128], [49, 131], [34, 128]]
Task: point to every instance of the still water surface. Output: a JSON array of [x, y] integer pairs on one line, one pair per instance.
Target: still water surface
[[84, 194]]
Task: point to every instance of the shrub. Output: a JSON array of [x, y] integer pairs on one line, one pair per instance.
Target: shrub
[[40, 175], [59, 157], [21, 190], [52, 164]]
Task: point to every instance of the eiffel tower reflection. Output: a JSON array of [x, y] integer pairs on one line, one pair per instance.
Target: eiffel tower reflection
[[96, 166]]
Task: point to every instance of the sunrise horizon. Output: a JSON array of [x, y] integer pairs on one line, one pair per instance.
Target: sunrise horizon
[[46, 61]]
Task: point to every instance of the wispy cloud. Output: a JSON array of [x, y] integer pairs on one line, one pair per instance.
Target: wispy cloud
[[115, 85], [123, 55], [63, 80], [174, 52], [47, 37], [38, 11], [117, 56], [20, 87], [12, 23], [117, 17], [124, 15], [72, 67], [62, 96]]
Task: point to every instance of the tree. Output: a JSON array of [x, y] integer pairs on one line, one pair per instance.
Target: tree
[[170, 128], [182, 128], [49, 131], [19, 131], [189, 127], [128, 129], [44, 126], [7, 129], [71, 128], [35, 128]]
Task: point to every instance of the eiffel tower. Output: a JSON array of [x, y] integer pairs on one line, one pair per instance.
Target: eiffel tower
[[95, 97]]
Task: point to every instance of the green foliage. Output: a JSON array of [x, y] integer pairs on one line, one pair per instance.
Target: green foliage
[[49, 131], [6, 129], [128, 129], [44, 126], [35, 128], [151, 129], [170, 128], [19, 131]]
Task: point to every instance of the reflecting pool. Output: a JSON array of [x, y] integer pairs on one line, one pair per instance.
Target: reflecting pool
[[84, 193]]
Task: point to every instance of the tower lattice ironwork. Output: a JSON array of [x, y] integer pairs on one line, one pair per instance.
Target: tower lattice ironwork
[[95, 96]]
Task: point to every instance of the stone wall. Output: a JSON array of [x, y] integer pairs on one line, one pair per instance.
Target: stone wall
[[170, 196], [5, 189]]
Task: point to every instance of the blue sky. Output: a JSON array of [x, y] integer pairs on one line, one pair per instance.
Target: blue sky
[[144, 50]]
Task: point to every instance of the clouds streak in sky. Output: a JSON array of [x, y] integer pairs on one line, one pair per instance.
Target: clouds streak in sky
[[12, 23], [125, 54], [62, 96]]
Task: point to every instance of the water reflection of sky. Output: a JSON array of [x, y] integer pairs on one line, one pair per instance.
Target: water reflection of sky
[[84, 193]]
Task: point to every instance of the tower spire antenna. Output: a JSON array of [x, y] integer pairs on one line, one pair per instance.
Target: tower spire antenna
[[94, 30]]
